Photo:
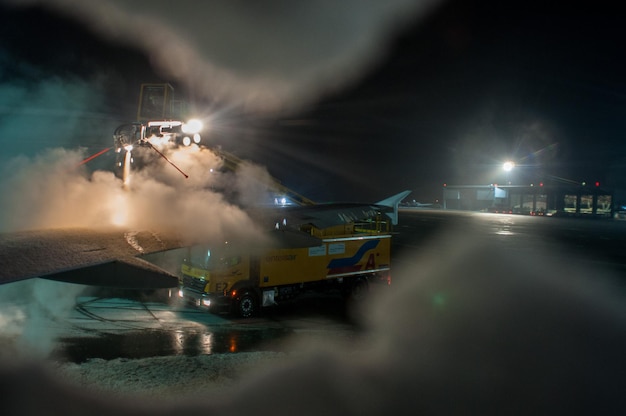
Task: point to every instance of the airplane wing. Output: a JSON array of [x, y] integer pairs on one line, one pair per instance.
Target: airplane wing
[[328, 215], [110, 257]]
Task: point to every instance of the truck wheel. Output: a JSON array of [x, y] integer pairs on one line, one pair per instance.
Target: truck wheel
[[359, 290], [247, 305]]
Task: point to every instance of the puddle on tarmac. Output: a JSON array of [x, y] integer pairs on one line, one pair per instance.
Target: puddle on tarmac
[[158, 343]]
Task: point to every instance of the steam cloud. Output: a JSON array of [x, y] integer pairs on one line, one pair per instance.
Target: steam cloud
[[264, 56], [53, 190], [29, 312], [44, 185]]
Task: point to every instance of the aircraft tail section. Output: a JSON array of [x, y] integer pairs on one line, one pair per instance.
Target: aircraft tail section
[[393, 202]]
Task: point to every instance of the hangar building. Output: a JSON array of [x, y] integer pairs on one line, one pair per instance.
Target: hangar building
[[574, 200]]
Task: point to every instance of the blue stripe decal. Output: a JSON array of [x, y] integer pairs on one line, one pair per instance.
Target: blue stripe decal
[[351, 261]]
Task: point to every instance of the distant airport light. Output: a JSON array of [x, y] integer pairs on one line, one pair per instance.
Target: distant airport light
[[508, 166]]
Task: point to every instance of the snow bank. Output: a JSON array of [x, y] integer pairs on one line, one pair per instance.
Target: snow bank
[[168, 378]]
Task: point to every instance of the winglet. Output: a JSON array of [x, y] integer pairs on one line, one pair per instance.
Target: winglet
[[393, 202]]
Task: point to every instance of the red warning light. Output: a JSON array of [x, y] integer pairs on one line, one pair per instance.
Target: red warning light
[[597, 184], [445, 184], [540, 183]]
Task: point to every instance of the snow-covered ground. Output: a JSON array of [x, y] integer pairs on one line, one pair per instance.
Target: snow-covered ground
[[169, 377], [35, 329]]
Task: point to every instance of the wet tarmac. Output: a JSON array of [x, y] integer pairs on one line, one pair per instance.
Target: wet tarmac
[[134, 327], [159, 343]]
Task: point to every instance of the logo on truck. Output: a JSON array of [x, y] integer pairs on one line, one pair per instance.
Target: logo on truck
[[351, 264], [284, 257]]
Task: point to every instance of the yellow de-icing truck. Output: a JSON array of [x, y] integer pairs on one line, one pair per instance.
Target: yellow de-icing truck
[[343, 247]]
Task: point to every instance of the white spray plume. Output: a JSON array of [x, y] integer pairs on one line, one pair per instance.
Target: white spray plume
[[53, 190], [30, 312]]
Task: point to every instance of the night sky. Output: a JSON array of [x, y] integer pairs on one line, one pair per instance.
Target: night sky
[[451, 95]]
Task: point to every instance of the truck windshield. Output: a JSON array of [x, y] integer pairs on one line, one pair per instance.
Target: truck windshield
[[205, 258]]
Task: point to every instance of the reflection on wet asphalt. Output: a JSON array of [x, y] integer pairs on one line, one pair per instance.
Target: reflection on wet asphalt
[[157, 343], [135, 327]]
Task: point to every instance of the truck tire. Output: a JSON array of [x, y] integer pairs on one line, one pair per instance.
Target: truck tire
[[359, 289], [247, 305]]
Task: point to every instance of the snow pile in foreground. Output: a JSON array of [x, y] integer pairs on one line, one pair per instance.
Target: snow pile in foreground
[[166, 377]]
